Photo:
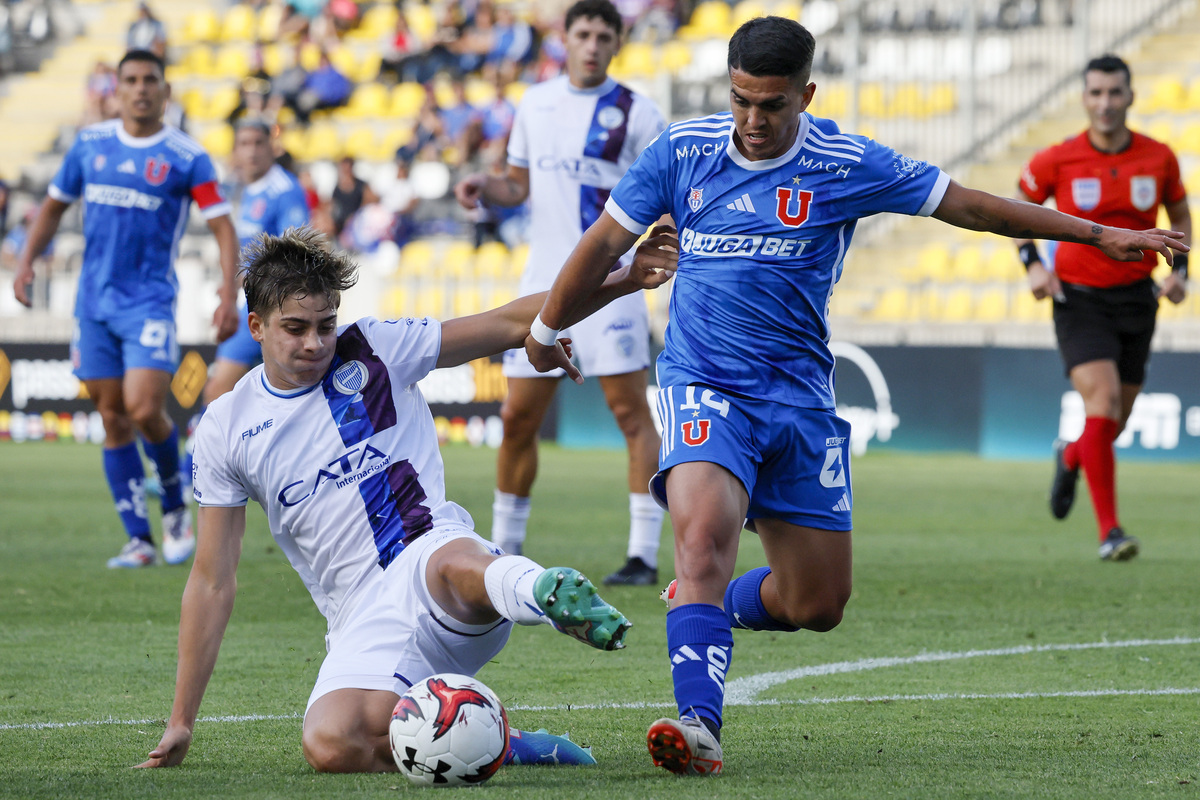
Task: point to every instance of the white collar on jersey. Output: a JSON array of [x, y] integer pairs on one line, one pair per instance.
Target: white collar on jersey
[[770, 163], [144, 141], [604, 87], [262, 182]]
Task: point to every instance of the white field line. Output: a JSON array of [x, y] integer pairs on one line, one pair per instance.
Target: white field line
[[744, 691]]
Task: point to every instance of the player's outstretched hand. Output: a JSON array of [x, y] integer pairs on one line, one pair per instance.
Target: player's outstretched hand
[[656, 258], [225, 319], [545, 358], [171, 749], [1125, 245], [1174, 288], [469, 191], [21, 284]]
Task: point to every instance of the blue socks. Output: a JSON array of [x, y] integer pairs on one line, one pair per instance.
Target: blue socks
[[165, 456], [744, 605], [699, 645], [126, 479]]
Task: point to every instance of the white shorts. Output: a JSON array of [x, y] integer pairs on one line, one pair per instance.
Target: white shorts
[[391, 633], [613, 341]]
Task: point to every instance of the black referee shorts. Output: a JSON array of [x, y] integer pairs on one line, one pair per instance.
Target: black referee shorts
[[1113, 324]]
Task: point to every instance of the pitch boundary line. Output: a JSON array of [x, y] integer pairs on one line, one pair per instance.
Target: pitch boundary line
[[744, 691]]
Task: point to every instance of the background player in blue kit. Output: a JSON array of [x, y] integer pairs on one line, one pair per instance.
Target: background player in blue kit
[[137, 178], [766, 199]]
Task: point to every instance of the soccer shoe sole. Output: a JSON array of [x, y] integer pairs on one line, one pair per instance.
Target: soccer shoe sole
[[1062, 489], [669, 748], [570, 602]]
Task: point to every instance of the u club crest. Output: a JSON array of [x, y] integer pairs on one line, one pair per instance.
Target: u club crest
[[695, 198]]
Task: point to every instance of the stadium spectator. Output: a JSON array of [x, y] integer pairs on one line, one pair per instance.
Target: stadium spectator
[[605, 125], [324, 88], [400, 54], [288, 84], [512, 44], [401, 199], [751, 436], [1104, 309], [408, 588], [254, 90], [461, 124], [350, 193], [136, 178], [100, 101], [147, 32]]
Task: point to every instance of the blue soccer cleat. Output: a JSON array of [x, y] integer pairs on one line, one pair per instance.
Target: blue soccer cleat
[[570, 602], [542, 747]]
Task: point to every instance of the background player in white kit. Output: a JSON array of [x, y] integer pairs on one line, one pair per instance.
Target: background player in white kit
[[572, 140], [331, 435]]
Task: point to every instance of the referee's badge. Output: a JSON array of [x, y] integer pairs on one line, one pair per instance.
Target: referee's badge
[[1085, 193], [1143, 192], [695, 198]]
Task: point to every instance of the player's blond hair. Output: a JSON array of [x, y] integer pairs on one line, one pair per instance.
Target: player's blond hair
[[297, 263]]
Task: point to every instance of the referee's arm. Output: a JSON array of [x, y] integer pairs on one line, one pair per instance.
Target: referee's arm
[[1042, 282], [1174, 286]]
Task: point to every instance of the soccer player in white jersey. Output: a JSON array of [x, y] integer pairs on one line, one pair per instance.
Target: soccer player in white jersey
[[572, 140], [137, 178], [331, 436], [766, 199]]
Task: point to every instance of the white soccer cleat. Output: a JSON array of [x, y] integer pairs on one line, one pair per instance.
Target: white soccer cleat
[[684, 746], [136, 553], [178, 541], [668, 594]]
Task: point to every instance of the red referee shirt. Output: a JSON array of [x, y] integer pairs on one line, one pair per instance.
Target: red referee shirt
[[1122, 190]]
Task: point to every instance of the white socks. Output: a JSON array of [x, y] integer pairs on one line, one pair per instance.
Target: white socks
[[509, 515], [645, 528], [509, 583]]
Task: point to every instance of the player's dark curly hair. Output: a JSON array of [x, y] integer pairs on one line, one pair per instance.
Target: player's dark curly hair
[[603, 9], [1109, 63], [769, 46], [297, 263], [142, 55]]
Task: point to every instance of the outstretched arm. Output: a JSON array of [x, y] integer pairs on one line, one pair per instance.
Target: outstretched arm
[[1042, 282], [506, 327], [207, 605], [40, 234], [509, 189], [1174, 286], [980, 211], [225, 319]]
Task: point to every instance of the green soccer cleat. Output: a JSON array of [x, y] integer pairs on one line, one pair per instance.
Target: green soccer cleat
[[570, 602]]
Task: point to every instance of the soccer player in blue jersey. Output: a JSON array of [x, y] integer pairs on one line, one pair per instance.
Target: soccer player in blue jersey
[[766, 199], [137, 179]]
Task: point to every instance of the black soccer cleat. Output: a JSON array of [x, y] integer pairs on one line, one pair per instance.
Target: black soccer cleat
[[1062, 490], [636, 572], [1118, 547]]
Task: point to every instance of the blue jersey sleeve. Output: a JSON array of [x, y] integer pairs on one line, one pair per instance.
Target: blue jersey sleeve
[[643, 195], [293, 211], [67, 185], [888, 181]]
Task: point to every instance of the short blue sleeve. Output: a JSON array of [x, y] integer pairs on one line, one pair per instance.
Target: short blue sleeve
[[885, 180], [643, 195], [293, 211], [67, 185]]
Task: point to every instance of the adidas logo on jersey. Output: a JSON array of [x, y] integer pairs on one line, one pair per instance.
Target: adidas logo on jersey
[[741, 204], [128, 167]]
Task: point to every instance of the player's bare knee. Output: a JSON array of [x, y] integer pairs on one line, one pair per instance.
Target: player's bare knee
[[520, 427], [328, 753]]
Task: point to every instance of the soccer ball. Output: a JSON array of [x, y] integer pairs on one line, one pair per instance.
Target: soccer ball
[[449, 730]]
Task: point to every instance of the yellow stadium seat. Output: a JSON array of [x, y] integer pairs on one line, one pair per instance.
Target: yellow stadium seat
[[197, 61], [232, 62], [791, 10], [361, 144], [894, 305], [871, 100], [368, 100], [480, 93], [273, 60], [958, 307], [421, 20], [430, 302], [711, 19], [968, 264], [344, 61], [1027, 308], [368, 67], [200, 26], [222, 102], [636, 59], [1166, 94], [520, 255], [943, 99], [239, 24], [218, 141], [295, 142], [746, 10], [934, 263], [377, 21], [1002, 264], [928, 304], [491, 261], [323, 143], [502, 293], [310, 56], [393, 140], [268, 23], [467, 300], [416, 257], [393, 303], [675, 56], [515, 91], [1189, 139], [992, 306], [194, 103], [406, 100], [458, 261], [907, 101]]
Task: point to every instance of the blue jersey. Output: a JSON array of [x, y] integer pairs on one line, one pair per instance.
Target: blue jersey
[[136, 196], [272, 204], [761, 246]]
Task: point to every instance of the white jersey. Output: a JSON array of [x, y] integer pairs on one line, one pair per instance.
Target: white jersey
[[576, 144], [348, 470]]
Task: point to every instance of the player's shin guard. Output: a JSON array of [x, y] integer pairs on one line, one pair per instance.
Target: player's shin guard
[[165, 455], [700, 646], [126, 476], [509, 582], [744, 605]]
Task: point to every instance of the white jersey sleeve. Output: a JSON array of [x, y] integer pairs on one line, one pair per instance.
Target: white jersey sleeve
[[214, 481], [410, 356]]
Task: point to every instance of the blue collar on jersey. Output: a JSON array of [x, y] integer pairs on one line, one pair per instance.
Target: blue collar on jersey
[[607, 86], [282, 392], [770, 163]]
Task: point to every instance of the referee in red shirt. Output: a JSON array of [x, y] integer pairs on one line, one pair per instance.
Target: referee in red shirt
[[1103, 309]]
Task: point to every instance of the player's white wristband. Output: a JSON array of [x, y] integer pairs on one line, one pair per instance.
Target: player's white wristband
[[542, 333]]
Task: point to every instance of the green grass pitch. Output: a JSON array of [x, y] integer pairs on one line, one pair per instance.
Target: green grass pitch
[[986, 652]]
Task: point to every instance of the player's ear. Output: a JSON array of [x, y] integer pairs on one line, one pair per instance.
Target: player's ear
[[809, 92], [256, 324]]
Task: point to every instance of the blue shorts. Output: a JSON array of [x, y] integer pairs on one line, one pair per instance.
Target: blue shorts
[[793, 462], [241, 347], [137, 340]]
